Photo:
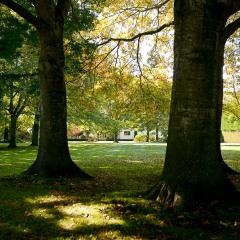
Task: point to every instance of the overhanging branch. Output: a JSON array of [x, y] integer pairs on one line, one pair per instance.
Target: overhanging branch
[[151, 32], [230, 29], [21, 11], [106, 56], [16, 75]]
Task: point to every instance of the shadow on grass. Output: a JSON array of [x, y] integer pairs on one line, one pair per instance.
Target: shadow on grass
[[74, 209], [104, 208]]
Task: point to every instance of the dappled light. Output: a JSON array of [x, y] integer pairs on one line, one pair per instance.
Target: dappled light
[[132, 161], [111, 206], [67, 213]]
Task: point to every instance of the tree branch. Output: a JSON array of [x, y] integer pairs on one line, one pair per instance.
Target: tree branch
[[96, 66], [21, 108], [231, 111], [230, 29], [151, 32], [145, 9], [138, 9], [18, 106], [116, 61], [138, 62], [21, 11], [16, 75]]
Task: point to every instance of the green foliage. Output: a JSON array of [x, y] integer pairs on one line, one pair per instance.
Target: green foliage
[[78, 53], [230, 123], [13, 32], [18, 69], [140, 138], [231, 103], [79, 19], [143, 138], [79, 49], [1, 94]]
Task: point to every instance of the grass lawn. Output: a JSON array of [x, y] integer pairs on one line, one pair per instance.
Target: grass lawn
[[108, 207]]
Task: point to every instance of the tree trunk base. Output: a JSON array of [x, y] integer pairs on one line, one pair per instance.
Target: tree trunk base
[[166, 195], [228, 170], [34, 145], [189, 198], [71, 170], [12, 146]]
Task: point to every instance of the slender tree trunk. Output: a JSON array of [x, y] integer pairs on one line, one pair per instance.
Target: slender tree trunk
[[157, 131], [35, 129], [148, 133], [13, 131], [192, 173], [6, 135], [115, 137], [53, 159]]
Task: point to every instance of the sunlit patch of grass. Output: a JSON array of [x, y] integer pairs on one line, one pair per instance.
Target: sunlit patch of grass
[[42, 213], [108, 207], [46, 199], [78, 214]]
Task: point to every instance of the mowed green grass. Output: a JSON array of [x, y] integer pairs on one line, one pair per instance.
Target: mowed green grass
[[122, 162], [108, 207]]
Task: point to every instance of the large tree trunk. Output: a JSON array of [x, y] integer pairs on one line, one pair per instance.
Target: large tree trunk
[[192, 173], [13, 131], [53, 159], [35, 129]]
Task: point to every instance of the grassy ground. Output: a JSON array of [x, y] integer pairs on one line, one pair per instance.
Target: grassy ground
[[108, 207]]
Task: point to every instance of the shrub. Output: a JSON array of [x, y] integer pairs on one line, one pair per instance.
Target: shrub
[[151, 138], [140, 138]]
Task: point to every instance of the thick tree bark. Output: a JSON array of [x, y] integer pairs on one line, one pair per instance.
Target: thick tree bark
[[192, 173], [53, 159], [13, 131], [35, 129]]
